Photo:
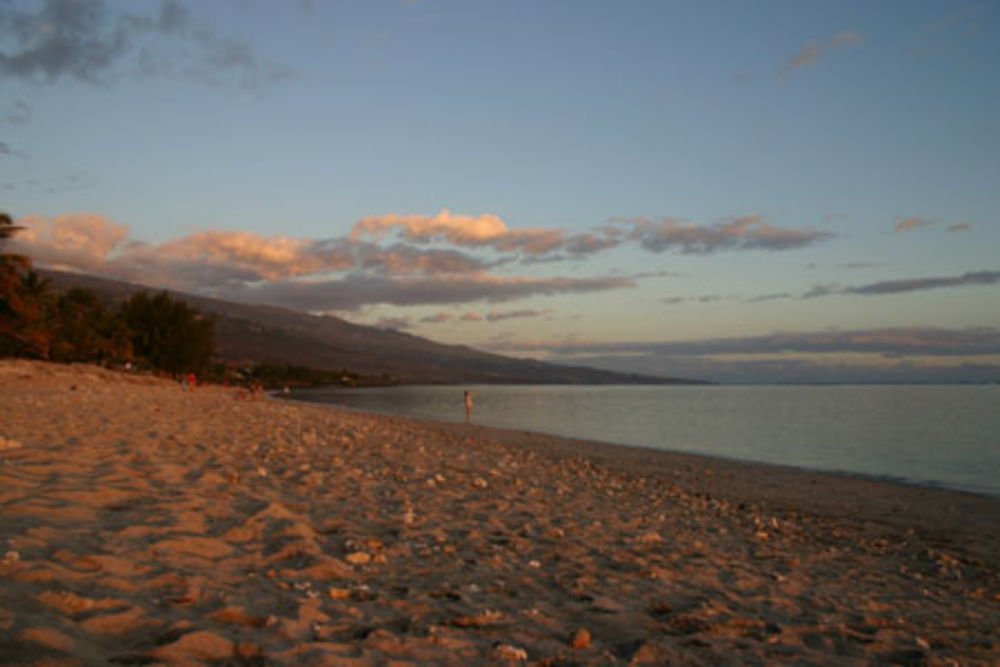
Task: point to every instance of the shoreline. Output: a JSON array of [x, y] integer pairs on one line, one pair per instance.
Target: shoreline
[[926, 484], [771, 486], [146, 524]]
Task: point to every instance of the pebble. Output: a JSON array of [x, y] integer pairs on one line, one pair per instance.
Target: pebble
[[359, 558], [508, 652], [581, 639], [338, 593]]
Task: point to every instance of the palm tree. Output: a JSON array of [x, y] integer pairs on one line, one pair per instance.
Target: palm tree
[[9, 263], [37, 304], [11, 303]]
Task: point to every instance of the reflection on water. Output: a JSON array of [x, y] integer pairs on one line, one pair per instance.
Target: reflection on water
[[937, 435]]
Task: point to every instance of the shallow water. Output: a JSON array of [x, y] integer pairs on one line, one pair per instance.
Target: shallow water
[[931, 435]]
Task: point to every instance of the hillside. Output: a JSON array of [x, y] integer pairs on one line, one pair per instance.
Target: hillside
[[247, 333]]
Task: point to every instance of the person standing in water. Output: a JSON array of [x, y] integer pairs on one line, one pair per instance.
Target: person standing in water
[[468, 406]]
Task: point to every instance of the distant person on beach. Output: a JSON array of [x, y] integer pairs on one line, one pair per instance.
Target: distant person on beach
[[468, 406]]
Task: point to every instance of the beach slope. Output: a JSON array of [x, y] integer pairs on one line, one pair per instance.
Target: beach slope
[[142, 524]]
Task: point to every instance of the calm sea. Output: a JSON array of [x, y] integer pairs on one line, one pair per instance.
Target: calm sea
[[930, 435]]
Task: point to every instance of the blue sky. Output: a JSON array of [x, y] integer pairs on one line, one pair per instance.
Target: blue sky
[[765, 191]]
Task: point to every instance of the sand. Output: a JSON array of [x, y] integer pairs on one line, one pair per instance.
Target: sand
[[141, 524]]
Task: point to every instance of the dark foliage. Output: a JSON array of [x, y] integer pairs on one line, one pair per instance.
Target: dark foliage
[[168, 334], [77, 326], [274, 376]]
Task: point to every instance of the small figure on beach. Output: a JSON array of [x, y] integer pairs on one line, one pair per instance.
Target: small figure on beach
[[192, 380], [468, 406]]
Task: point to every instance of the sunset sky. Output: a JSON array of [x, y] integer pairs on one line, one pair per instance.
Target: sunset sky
[[734, 191]]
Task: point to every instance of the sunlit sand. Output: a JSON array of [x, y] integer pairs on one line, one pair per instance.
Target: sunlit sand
[[143, 524]]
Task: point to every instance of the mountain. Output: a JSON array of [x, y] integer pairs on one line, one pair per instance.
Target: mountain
[[247, 333]]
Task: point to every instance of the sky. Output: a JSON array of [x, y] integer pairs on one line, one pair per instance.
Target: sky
[[768, 191]]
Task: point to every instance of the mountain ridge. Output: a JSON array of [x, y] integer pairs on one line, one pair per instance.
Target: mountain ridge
[[253, 333]]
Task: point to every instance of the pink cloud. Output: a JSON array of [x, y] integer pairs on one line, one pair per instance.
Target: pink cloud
[[914, 222], [437, 318], [81, 241], [812, 51], [461, 230]]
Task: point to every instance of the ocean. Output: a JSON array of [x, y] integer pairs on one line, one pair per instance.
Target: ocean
[[944, 436]]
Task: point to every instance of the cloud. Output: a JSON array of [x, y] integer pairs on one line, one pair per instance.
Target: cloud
[[356, 290], [86, 41], [79, 241], [495, 316], [213, 259], [743, 233], [911, 223], [320, 274], [15, 113], [920, 284], [902, 354], [879, 288], [401, 259], [471, 317], [5, 149], [541, 244], [860, 264], [781, 370], [812, 51], [436, 318], [898, 341], [960, 227], [704, 298], [461, 230], [773, 296]]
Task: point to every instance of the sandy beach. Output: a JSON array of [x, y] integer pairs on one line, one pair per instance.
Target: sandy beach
[[142, 524]]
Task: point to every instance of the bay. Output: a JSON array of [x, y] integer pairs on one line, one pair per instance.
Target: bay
[[945, 436]]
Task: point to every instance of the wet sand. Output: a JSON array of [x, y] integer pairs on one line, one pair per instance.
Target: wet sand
[[141, 524]]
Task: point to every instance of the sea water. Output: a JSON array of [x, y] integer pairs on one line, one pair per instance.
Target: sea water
[[929, 435]]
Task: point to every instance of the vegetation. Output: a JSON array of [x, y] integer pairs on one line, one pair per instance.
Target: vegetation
[[275, 376], [159, 332], [155, 332]]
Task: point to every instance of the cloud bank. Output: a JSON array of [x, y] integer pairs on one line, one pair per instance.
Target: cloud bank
[[327, 274], [749, 232], [414, 260], [894, 341], [907, 354]]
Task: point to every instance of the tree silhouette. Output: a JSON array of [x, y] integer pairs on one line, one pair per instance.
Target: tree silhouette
[[168, 334], [11, 301], [78, 326], [85, 330], [37, 303]]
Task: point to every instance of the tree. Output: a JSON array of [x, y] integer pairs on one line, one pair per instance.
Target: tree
[[12, 337], [85, 330], [168, 334], [37, 304]]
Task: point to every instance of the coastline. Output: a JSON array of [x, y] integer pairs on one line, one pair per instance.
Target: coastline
[[967, 473], [143, 522]]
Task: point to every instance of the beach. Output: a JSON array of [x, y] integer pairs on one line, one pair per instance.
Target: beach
[[144, 524]]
